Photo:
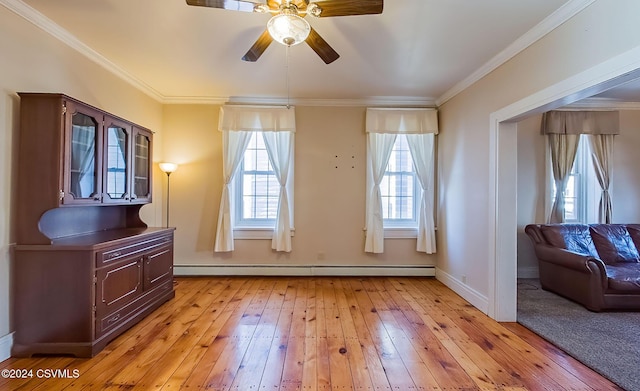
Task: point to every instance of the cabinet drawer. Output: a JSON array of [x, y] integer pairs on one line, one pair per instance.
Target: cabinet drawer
[[118, 285], [108, 321], [158, 266], [138, 248]]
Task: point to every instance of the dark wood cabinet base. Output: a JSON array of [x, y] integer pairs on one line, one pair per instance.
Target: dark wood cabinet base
[[91, 348]]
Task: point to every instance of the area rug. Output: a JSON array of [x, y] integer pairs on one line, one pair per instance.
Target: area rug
[[607, 342]]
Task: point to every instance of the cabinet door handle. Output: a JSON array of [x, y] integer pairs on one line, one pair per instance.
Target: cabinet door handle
[[113, 319], [114, 255]]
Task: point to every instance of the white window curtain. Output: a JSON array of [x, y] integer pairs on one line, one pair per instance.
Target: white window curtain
[[379, 150], [422, 153], [564, 129], [280, 150], [234, 144], [382, 126], [237, 123]]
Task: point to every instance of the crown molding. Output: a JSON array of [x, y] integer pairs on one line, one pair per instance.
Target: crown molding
[[49, 26], [602, 104], [550, 23], [382, 101], [194, 100], [386, 101]]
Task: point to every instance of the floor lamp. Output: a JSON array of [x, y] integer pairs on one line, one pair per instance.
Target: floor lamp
[[168, 168]]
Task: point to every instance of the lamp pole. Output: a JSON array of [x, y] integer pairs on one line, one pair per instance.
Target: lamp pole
[[168, 176], [168, 168]]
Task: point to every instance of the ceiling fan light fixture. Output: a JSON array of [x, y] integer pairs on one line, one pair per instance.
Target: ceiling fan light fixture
[[288, 29]]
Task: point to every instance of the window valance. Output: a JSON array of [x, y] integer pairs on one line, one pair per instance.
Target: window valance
[[580, 122], [382, 120], [257, 118]]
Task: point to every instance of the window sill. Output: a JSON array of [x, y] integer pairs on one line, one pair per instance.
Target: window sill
[[400, 233], [255, 233]]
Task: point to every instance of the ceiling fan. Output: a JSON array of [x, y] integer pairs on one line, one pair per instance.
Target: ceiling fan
[[287, 25]]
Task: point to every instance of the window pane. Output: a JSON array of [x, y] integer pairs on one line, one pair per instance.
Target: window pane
[[262, 160]]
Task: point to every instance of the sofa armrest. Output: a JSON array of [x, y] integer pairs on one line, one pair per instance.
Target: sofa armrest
[[568, 259], [581, 263]]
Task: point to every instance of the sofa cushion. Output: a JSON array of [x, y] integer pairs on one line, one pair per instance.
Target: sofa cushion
[[624, 276], [634, 232], [614, 244], [572, 237]]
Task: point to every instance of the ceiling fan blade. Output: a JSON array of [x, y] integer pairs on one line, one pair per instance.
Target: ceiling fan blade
[[349, 7], [301, 4], [321, 47], [258, 47], [235, 5]]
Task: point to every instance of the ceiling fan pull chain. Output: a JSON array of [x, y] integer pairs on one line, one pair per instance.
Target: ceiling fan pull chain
[[287, 72]]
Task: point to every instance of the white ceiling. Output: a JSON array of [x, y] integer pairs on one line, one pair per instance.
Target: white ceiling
[[416, 50]]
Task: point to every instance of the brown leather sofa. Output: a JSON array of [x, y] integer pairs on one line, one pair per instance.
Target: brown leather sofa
[[596, 265]]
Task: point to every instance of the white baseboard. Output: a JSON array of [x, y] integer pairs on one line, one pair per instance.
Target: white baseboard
[[528, 272], [302, 270], [474, 297], [6, 343]]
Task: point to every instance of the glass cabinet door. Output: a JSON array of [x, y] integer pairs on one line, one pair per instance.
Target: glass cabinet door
[[83, 151], [116, 169], [142, 165]]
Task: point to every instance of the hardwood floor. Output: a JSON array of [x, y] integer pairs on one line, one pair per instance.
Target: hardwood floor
[[316, 333]]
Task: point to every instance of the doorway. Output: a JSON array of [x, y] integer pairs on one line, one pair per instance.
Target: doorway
[[503, 172]]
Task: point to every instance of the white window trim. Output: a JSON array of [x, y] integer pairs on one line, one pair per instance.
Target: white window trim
[[255, 233], [400, 233]]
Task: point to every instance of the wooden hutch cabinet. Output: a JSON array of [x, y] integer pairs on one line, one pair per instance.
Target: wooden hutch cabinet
[[86, 267]]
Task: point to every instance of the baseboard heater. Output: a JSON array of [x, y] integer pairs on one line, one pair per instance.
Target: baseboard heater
[[302, 270]]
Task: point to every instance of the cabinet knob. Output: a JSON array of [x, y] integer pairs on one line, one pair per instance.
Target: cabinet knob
[[113, 319]]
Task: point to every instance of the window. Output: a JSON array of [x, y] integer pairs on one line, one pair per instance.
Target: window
[[396, 205], [256, 192], [583, 192], [399, 188]]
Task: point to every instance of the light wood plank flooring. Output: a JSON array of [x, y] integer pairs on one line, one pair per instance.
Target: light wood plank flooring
[[317, 333]]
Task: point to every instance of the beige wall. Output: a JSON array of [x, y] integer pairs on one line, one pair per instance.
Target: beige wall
[[605, 29], [34, 61], [329, 192]]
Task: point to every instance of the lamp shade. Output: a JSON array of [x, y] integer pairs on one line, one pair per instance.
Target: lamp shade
[[168, 167], [288, 29]]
